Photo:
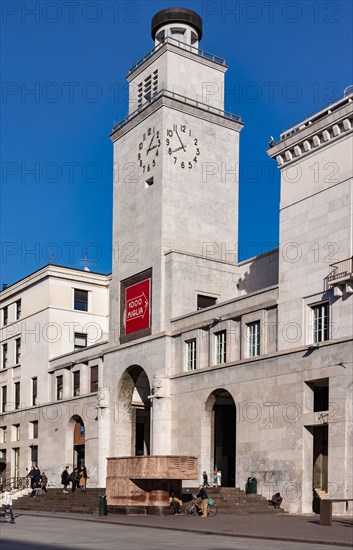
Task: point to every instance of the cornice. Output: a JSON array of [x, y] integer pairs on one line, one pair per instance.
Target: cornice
[[313, 134]]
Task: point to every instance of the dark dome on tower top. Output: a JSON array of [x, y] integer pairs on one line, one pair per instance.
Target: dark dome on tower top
[[176, 15]]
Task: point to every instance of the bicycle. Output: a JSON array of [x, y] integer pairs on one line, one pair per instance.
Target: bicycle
[[193, 508]]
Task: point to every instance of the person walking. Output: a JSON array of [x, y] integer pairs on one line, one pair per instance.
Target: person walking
[[44, 482], [6, 500], [74, 479], [65, 479], [205, 479], [202, 494], [82, 478], [30, 475]]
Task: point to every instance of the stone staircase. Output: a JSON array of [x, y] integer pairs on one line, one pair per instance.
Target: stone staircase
[[229, 500], [79, 502], [232, 500]]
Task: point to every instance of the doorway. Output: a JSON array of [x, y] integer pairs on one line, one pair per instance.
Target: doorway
[[320, 458], [224, 436], [79, 443]]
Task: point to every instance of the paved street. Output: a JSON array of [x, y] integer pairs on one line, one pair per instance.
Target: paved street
[[42, 533]]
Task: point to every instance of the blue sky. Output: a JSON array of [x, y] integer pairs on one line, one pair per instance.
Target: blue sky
[[63, 67]]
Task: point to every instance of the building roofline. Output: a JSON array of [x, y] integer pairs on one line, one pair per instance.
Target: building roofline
[[45, 271]]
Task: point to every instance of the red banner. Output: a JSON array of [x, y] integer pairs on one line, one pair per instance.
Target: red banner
[[138, 307]]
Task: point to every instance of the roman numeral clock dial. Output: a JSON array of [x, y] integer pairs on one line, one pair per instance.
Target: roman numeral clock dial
[[183, 147], [149, 152]]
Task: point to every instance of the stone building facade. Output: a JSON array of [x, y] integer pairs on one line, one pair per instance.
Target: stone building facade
[[247, 366]]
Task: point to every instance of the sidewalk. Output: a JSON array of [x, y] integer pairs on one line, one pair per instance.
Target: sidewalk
[[284, 527]]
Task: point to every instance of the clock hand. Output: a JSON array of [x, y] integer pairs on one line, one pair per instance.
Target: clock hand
[[182, 144], [149, 148], [178, 149]]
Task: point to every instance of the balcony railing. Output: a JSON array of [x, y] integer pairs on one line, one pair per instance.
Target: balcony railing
[[170, 40], [341, 271], [181, 98]]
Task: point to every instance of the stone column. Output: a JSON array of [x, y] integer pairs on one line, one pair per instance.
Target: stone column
[[103, 447], [161, 416]]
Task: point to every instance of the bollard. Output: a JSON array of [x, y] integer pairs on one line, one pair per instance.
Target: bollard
[[103, 506]]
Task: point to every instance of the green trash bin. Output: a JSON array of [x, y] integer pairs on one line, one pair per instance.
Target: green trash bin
[[103, 506], [251, 486]]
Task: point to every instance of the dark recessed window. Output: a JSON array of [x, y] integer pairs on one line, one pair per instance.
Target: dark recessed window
[[81, 300], [17, 351], [4, 356], [35, 429], [205, 301], [34, 455], [3, 398], [17, 395], [18, 309], [59, 387], [34, 391], [77, 383], [320, 389], [5, 315], [94, 379]]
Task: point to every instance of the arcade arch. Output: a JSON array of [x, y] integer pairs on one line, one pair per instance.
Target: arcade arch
[[133, 436]]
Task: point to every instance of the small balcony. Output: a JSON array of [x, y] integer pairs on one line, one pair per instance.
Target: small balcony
[[341, 272]]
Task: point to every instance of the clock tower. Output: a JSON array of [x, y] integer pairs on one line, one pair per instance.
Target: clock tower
[[175, 183]]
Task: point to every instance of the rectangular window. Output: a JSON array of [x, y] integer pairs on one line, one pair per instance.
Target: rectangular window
[[221, 347], [3, 434], [17, 351], [77, 383], [59, 387], [18, 310], [16, 432], [94, 379], [320, 389], [17, 395], [3, 456], [5, 315], [205, 301], [191, 354], [253, 330], [16, 462], [34, 455], [34, 430], [320, 322], [80, 341], [3, 398], [4, 356], [34, 391], [81, 300]]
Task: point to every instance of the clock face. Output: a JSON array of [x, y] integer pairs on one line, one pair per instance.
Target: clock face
[[149, 150], [182, 146]]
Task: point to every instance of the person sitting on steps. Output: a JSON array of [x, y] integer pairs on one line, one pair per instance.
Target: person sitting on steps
[[276, 500]]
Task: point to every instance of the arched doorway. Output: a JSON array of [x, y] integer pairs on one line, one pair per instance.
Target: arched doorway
[[222, 424], [79, 442], [134, 415]]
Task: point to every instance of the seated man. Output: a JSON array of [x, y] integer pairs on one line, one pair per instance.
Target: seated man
[[174, 503], [276, 500]]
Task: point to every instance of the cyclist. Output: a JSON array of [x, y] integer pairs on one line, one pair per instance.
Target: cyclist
[[202, 494]]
